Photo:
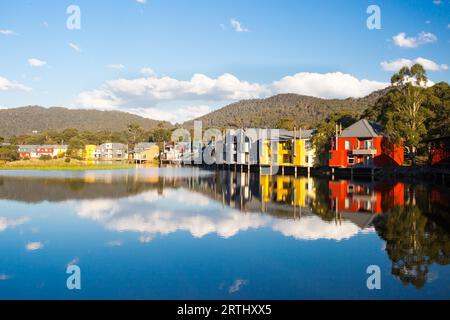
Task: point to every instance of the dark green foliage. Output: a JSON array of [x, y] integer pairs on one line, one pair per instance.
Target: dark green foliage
[[326, 130], [45, 157], [303, 111], [412, 113], [8, 153], [20, 121]]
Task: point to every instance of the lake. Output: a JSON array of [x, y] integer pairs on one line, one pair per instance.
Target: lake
[[185, 233]]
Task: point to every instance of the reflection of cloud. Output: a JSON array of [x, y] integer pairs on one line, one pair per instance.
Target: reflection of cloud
[[145, 238], [6, 223], [313, 228], [33, 246], [114, 243], [4, 277], [237, 285], [72, 262], [152, 214], [432, 276]]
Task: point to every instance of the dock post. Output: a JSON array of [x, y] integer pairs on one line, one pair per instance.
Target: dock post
[[309, 172], [295, 171]]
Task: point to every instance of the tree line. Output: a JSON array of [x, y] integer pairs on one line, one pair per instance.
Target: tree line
[[76, 139]]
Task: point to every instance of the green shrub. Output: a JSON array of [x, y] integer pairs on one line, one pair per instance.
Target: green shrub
[[45, 157]]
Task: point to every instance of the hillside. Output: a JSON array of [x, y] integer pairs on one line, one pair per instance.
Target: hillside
[[304, 110], [25, 120]]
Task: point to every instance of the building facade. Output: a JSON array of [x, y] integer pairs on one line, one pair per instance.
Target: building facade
[[145, 152], [36, 151], [364, 145], [439, 151], [112, 152]]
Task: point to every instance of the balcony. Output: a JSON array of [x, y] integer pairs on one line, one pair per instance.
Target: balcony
[[364, 151]]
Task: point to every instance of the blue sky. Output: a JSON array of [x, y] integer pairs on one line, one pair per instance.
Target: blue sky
[[177, 59]]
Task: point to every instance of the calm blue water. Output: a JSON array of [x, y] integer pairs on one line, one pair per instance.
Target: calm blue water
[[191, 234]]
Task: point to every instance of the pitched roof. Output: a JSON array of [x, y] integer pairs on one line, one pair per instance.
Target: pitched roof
[[362, 129]]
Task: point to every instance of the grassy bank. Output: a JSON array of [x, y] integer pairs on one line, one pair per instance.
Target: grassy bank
[[61, 165]]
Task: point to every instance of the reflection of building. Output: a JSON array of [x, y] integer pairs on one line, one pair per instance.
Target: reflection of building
[[352, 197], [112, 152], [439, 151], [285, 189], [36, 151], [363, 145]]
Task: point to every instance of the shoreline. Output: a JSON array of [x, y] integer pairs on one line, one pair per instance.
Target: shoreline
[[58, 165]]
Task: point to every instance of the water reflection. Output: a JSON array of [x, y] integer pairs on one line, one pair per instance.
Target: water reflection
[[413, 220]]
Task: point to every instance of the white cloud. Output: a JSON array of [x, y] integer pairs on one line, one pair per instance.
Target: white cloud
[[36, 62], [148, 72], [141, 1], [74, 47], [116, 66], [7, 32], [178, 115], [401, 40], [142, 95], [237, 26], [6, 85], [437, 2], [7, 223], [33, 246], [327, 85], [98, 99], [395, 65]]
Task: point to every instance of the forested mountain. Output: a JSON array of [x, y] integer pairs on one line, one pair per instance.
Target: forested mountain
[[304, 111], [25, 120]]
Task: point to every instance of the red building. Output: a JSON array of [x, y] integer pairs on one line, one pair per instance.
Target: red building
[[439, 151], [364, 145], [351, 197]]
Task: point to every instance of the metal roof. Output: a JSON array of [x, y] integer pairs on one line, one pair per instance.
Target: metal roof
[[362, 129]]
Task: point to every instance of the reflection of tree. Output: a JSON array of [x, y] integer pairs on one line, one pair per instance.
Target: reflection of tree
[[413, 242], [321, 203]]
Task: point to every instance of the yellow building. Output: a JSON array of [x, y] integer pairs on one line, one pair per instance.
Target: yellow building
[[89, 152], [294, 149], [146, 152]]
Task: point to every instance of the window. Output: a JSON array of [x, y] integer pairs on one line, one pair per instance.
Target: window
[[351, 160], [306, 159], [347, 145], [368, 144], [347, 203]]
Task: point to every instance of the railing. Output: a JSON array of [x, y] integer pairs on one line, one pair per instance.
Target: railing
[[364, 151]]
